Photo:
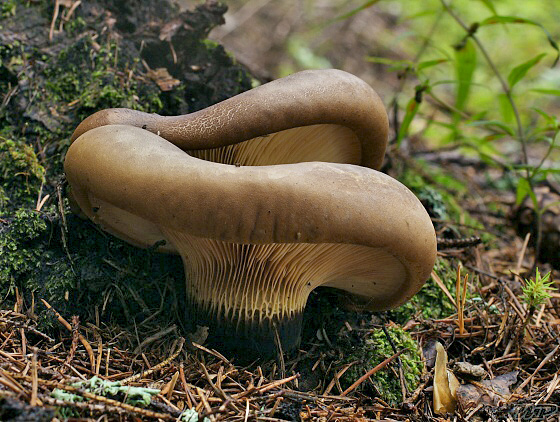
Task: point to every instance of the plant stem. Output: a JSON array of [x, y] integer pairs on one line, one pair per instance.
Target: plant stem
[[503, 83], [521, 333], [417, 57], [520, 132]]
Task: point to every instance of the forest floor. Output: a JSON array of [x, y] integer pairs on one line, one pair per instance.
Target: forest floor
[[91, 329]]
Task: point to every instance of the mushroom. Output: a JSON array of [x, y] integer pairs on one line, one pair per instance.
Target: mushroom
[[256, 240], [316, 115]]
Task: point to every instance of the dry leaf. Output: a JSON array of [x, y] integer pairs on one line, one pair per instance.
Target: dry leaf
[[169, 30], [445, 384], [163, 79], [466, 370], [489, 392], [199, 336]]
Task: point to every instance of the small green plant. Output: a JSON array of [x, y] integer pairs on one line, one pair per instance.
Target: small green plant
[[537, 291]]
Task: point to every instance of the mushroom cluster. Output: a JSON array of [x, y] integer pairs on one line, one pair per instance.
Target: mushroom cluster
[[262, 198]]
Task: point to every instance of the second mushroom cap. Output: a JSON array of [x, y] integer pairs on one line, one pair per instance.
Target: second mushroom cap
[[316, 115]]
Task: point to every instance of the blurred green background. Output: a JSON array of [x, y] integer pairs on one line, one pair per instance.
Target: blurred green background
[[377, 40]]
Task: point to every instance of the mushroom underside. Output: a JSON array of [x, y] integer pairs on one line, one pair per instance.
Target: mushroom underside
[[325, 142], [247, 291]]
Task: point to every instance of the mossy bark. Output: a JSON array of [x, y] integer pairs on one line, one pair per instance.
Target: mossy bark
[[145, 55]]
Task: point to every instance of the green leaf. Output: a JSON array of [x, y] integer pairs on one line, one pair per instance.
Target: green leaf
[[478, 116], [550, 205], [395, 64], [446, 125], [352, 12], [494, 137], [541, 170], [550, 170], [549, 118], [507, 19], [490, 6], [465, 64], [494, 124], [515, 19], [519, 72], [523, 189], [485, 149], [411, 110], [547, 91], [429, 63], [506, 109]]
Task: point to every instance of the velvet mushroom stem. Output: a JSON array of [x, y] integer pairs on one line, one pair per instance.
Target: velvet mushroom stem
[[256, 240], [316, 115]]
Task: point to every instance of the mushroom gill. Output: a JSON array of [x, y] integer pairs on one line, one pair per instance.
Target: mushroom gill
[[328, 143], [245, 291]]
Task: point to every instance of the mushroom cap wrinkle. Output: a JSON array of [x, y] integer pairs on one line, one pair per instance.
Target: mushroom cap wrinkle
[[255, 241], [315, 115]]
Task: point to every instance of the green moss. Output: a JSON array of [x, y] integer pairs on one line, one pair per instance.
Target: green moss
[[62, 90], [430, 302], [84, 77], [374, 350], [210, 44], [31, 260], [19, 256], [439, 202], [92, 269], [8, 8], [21, 174], [75, 25]]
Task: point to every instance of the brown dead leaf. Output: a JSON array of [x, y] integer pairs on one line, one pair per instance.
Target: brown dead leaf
[[466, 370], [163, 79], [489, 392], [445, 384]]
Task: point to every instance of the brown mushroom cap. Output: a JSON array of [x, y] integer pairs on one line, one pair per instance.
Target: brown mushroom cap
[[255, 241], [316, 115]]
